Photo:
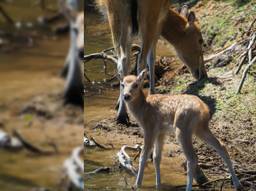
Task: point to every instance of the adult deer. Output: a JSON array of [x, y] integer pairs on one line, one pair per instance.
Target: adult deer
[[73, 92], [151, 19], [184, 114]]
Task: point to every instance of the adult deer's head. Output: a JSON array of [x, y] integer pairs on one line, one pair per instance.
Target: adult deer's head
[[183, 32]]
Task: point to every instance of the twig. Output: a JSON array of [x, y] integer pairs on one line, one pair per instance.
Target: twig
[[216, 180], [242, 60], [6, 16], [86, 77], [222, 185], [99, 170], [251, 26], [98, 144], [245, 74], [101, 55], [211, 57], [29, 146], [73, 170], [125, 160]]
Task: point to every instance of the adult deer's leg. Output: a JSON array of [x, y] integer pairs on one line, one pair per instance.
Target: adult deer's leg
[[209, 138], [150, 19], [120, 24], [149, 38], [157, 158]]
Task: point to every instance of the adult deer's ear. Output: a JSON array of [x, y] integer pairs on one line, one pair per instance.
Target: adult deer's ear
[[191, 17], [142, 75]]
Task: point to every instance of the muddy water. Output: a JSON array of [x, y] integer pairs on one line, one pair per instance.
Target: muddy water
[[101, 106]]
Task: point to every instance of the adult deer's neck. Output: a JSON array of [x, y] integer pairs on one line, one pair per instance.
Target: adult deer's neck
[[173, 27]]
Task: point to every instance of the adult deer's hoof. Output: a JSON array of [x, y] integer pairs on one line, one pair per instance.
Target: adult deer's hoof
[[200, 176], [123, 119]]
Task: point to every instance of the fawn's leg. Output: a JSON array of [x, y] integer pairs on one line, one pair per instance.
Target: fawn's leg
[[146, 151], [157, 158], [209, 138], [184, 136]]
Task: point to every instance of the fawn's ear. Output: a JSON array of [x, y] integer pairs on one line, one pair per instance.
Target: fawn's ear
[[142, 75]]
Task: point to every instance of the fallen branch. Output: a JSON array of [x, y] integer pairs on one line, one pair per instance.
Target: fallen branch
[[213, 181], [245, 74], [109, 55], [88, 142], [29, 146], [8, 142], [99, 170], [228, 49], [91, 142], [74, 169], [6, 16], [99, 145], [125, 160]]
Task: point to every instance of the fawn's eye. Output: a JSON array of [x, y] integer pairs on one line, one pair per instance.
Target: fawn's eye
[[201, 41], [122, 84], [135, 86]]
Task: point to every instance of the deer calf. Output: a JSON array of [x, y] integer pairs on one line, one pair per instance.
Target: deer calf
[[185, 114]]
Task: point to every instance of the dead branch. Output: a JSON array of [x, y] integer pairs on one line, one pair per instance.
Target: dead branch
[[228, 49], [76, 157], [74, 170], [216, 180], [88, 142], [8, 142], [101, 55], [99, 170], [109, 55], [125, 160], [250, 28], [91, 142], [74, 177], [245, 74], [29, 146], [6, 16], [99, 145]]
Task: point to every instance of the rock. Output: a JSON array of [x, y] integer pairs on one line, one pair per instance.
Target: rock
[[222, 60]]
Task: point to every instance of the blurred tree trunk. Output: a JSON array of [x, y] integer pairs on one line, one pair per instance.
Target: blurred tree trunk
[[6, 16]]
